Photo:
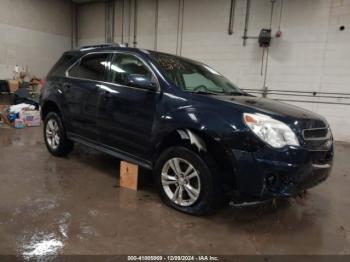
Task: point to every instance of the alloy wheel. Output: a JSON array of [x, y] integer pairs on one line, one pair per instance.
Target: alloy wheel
[[52, 134], [181, 181]]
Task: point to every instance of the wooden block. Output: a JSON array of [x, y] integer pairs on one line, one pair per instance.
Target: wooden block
[[13, 85], [129, 174]]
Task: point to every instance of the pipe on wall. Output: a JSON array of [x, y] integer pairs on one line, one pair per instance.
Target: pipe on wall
[[156, 25], [135, 23], [180, 24], [74, 25], [106, 23], [129, 22], [178, 27], [309, 94], [109, 21], [313, 93], [265, 88], [123, 10], [271, 12], [113, 21], [246, 22], [280, 17], [232, 16]]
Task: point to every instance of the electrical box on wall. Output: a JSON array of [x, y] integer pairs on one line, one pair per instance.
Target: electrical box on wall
[[265, 37]]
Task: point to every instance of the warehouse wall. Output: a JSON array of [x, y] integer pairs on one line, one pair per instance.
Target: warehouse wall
[[312, 55], [33, 33], [91, 23]]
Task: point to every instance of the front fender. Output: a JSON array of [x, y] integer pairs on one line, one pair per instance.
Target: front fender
[[203, 121]]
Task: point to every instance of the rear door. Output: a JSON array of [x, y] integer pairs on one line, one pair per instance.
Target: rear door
[[126, 112], [82, 93]]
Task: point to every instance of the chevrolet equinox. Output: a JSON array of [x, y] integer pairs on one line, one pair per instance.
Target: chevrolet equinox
[[205, 139]]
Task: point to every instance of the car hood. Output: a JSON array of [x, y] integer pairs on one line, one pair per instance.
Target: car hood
[[282, 111]]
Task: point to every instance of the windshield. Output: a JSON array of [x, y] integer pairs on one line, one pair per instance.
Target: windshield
[[192, 76]]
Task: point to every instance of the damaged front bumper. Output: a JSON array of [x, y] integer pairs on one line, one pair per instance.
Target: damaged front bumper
[[269, 173]]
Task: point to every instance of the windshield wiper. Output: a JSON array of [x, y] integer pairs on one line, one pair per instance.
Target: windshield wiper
[[203, 92], [236, 93]]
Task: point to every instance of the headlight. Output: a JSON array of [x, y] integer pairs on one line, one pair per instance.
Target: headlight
[[273, 132]]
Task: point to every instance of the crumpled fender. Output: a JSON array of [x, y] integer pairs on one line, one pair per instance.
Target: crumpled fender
[[194, 139], [188, 121]]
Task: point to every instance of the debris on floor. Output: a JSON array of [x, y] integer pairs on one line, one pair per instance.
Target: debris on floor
[[20, 116]]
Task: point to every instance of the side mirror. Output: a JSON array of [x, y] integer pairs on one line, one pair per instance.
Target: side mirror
[[141, 81]]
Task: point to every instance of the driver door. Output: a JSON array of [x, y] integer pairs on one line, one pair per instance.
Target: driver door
[[126, 112]]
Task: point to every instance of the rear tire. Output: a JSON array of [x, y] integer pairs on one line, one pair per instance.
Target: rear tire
[[55, 136], [197, 191]]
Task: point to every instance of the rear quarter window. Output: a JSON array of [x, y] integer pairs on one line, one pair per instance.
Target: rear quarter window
[[91, 67], [59, 69]]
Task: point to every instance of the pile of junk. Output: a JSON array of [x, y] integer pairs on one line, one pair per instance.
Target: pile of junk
[[20, 116], [24, 111]]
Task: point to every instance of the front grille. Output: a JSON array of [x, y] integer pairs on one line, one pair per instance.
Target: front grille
[[316, 134], [318, 145], [321, 157], [317, 138]]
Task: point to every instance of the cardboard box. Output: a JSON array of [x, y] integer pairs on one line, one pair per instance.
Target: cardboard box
[[4, 117], [19, 123], [30, 117], [13, 85], [129, 174], [4, 107]]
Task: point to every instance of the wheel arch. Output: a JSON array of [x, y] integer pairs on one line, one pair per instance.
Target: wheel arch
[[201, 142], [49, 106]]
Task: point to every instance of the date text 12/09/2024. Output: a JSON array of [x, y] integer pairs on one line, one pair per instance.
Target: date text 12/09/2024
[[173, 258]]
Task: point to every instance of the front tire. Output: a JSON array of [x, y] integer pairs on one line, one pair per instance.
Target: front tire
[[187, 181], [55, 136]]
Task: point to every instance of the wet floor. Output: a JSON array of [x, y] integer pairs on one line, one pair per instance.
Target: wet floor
[[73, 205]]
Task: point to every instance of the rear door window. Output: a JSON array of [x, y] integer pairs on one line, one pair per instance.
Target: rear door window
[[92, 67]]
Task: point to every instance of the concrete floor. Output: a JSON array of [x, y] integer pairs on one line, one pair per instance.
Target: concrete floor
[[72, 206]]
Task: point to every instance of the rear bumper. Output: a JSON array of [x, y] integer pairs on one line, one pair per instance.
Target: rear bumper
[[269, 173]]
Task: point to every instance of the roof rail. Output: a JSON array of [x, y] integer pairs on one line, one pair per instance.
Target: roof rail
[[87, 47]]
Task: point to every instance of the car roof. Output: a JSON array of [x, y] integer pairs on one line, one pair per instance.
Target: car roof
[[119, 47], [106, 47]]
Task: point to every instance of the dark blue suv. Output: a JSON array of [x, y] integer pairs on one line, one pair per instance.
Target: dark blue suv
[[204, 138]]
